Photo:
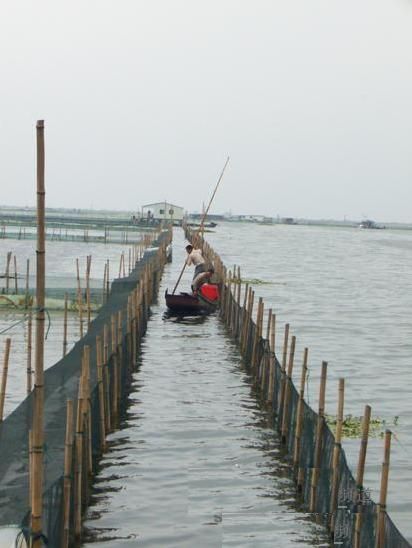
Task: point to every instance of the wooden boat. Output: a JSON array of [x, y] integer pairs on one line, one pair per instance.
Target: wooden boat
[[187, 303]]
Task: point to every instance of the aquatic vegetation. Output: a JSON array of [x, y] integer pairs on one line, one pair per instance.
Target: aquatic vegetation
[[352, 426]]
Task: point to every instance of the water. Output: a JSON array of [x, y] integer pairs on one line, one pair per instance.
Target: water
[[195, 462], [347, 295]]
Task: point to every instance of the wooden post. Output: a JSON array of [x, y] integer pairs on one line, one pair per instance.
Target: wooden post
[[299, 471], [65, 324], [286, 388], [380, 540], [68, 452], [336, 456], [29, 353], [38, 408], [318, 441], [4, 377], [88, 407], [360, 474]]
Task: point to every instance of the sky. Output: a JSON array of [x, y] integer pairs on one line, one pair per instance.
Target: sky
[[144, 100]]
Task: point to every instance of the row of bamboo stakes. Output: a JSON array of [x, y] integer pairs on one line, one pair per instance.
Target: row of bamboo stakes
[[249, 334], [117, 350]]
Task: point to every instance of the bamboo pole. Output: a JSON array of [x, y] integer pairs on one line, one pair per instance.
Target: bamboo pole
[[100, 384], [79, 299], [79, 456], [88, 267], [318, 441], [4, 377], [68, 453], [336, 456], [27, 294], [381, 510], [30, 466], [88, 407], [16, 289], [266, 357], [283, 369], [104, 283], [106, 376], [201, 223], [38, 428], [288, 381], [360, 473], [29, 353], [271, 389], [7, 273], [108, 279], [65, 324], [299, 424]]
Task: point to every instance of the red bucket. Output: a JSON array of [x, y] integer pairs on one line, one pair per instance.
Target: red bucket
[[210, 292]]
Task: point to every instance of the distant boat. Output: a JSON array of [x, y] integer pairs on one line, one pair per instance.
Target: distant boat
[[212, 224], [367, 223]]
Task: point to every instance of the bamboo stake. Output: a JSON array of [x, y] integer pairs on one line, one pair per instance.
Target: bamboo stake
[[106, 376], [79, 456], [283, 368], [38, 428], [288, 381], [4, 377], [271, 389], [299, 424], [68, 452], [27, 294], [360, 474], [318, 441], [104, 283], [7, 273], [29, 353], [108, 279], [79, 299], [88, 407], [380, 540], [30, 466], [65, 324], [266, 357], [336, 456], [16, 289], [88, 267], [99, 363]]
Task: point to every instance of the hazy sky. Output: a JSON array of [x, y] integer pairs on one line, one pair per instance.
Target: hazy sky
[[143, 101]]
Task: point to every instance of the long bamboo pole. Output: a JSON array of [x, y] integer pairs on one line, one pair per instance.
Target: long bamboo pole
[[38, 427], [4, 377], [286, 388], [202, 222], [299, 424], [65, 325]]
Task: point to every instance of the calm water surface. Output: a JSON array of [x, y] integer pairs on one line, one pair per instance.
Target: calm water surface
[[195, 463], [195, 459]]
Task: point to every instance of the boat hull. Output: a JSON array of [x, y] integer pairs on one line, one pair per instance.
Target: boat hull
[[185, 303]]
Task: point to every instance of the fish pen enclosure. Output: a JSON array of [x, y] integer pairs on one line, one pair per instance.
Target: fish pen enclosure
[[84, 398], [324, 482]]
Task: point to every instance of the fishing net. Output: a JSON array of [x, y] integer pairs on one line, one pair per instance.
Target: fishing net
[[61, 384]]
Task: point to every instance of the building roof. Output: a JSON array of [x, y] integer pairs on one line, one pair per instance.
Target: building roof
[[162, 203]]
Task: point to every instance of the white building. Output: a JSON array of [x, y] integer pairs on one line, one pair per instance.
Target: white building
[[163, 211]]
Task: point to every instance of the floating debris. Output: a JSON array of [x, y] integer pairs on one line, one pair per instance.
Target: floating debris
[[352, 426]]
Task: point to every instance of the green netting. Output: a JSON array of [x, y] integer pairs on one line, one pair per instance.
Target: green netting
[[61, 384]]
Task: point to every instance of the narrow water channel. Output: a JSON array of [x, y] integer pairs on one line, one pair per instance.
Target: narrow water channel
[[195, 462]]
